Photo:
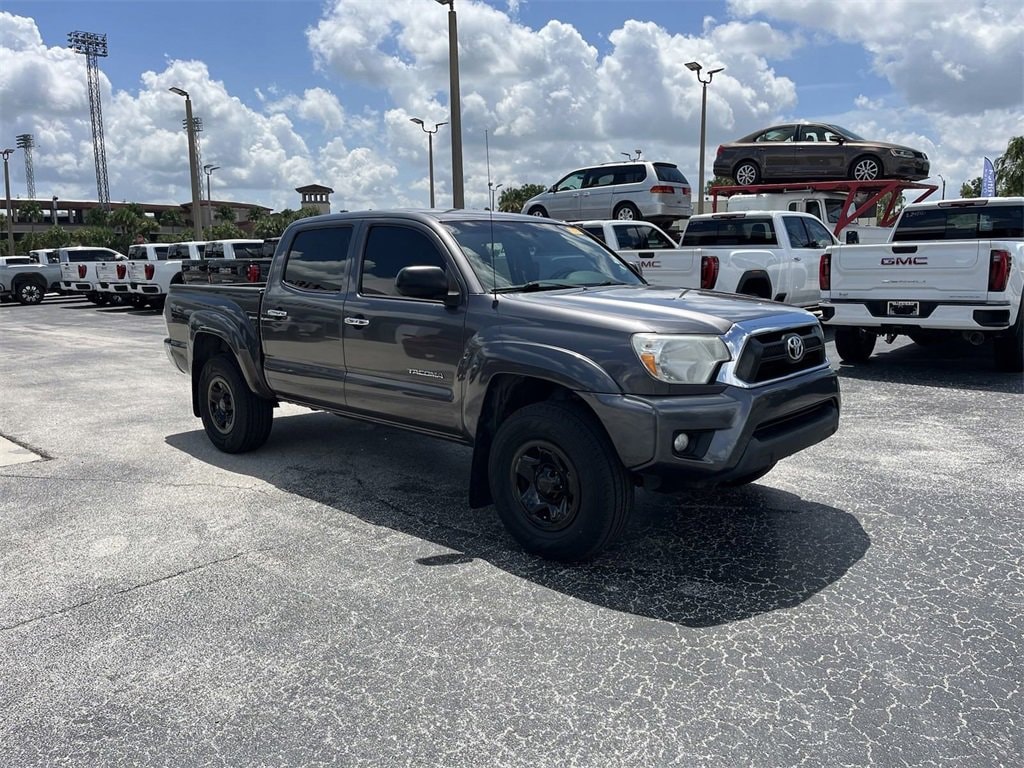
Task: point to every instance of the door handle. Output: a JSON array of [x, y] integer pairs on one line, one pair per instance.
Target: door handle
[[276, 313], [357, 321], [796, 258]]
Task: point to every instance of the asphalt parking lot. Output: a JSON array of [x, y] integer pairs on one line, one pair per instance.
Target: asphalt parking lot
[[331, 600]]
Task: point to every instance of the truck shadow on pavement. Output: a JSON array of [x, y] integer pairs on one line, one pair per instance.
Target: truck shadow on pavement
[[951, 365], [709, 559]]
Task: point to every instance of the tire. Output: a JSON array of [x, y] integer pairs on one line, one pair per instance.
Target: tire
[[866, 168], [748, 479], [29, 292], [746, 173], [626, 212], [855, 345], [538, 210], [1009, 348], [116, 300], [558, 485], [235, 418]]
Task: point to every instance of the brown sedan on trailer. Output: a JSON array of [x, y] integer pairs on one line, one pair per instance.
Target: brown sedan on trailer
[[816, 151]]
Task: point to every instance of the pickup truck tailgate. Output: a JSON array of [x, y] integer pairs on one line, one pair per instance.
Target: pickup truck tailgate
[[933, 271]]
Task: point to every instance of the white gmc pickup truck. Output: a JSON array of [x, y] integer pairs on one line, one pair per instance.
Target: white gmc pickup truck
[[951, 267], [769, 254], [659, 257]]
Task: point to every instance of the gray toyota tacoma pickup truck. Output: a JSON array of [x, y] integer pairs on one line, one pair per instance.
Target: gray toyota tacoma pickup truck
[[573, 380]]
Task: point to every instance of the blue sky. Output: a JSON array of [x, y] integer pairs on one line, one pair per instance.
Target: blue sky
[[297, 91]]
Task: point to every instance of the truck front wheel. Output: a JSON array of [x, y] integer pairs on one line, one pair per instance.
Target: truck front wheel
[[855, 345], [235, 418], [557, 483], [29, 292]]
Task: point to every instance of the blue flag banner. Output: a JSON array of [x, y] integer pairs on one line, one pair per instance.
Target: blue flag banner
[[988, 180]]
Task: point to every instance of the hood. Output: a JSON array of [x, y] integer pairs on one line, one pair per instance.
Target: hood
[[644, 309]]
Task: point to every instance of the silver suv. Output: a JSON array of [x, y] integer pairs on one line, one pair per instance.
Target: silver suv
[[657, 192]]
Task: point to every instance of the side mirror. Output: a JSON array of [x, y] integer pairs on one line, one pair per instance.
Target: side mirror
[[836, 139], [852, 237], [426, 283]]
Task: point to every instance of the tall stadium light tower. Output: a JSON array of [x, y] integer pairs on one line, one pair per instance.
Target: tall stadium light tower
[[94, 45], [25, 143]]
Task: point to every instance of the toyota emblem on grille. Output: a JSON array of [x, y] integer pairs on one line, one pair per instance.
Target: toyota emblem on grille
[[795, 348]]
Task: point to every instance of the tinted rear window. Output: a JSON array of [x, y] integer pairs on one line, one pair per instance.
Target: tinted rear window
[[741, 232], [993, 222], [91, 256], [248, 250], [667, 172], [16, 260]]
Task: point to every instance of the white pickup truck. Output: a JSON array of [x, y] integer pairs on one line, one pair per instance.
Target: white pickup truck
[[113, 277], [952, 267], [26, 279], [78, 270], [770, 254], [152, 279], [655, 252]]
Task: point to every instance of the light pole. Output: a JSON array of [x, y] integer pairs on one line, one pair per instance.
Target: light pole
[[208, 170], [7, 192], [694, 67], [430, 149], [193, 170], [943, 185], [53, 212], [493, 188], [458, 193]]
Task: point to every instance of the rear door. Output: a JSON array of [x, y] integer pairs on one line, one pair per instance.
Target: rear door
[[816, 155], [300, 317], [402, 354]]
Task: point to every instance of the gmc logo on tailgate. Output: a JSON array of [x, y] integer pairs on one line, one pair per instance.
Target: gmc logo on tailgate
[[915, 261]]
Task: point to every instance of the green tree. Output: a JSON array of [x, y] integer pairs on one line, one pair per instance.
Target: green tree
[[883, 203], [96, 217], [1010, 169], [131, 223], [718, 181], [172, 219], [32, 211], [254, 215], [55, 237], [104, 237], [268, 226], [971, 188], [225, 214], [224, 231], [512, 199]]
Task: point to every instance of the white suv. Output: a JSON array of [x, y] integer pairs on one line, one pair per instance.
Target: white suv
[[638, 189]]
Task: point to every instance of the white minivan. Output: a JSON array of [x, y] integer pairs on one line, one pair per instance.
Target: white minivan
[[638, 189]]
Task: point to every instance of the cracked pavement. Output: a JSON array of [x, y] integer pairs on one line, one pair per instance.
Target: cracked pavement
[[331, 600]]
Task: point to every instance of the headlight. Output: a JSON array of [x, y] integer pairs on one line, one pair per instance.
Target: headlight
[[908, 153], [680, 359]]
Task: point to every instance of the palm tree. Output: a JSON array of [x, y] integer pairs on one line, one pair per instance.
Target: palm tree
[[225, 214], [32, 211], [513, 198], [971, 188], [172, 219], [1010, 169]]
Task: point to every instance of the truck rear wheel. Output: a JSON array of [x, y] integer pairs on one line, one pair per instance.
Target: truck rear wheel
[[855, 345], [1009, 348], [557, 483], [235, 418]]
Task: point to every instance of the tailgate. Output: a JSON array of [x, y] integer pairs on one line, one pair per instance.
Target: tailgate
[[106, 271], [928, 270], [666, 266]]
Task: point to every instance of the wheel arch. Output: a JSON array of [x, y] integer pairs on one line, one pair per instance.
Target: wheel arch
[[755, 282], [866, 155]]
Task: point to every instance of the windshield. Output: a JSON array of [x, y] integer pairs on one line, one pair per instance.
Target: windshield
[[526, 255]]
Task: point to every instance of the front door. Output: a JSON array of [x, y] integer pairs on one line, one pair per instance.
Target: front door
[[402, 354], [808, 240]]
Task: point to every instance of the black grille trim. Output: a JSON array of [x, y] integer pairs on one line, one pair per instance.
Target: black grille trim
[[765, 358]]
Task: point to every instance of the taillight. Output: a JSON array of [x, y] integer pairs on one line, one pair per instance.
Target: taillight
[[825, 272], [999, 270], [253, 273], [662, 189], [82, 270], [150, 271], [122, 270], [708, 271], [721, 149]]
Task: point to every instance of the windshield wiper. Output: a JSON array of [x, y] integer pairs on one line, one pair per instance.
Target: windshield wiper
[[536, 285]]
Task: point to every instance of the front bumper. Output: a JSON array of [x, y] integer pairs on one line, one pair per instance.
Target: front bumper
[[734, 433]]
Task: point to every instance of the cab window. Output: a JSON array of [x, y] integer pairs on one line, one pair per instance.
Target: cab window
[[317, 259]]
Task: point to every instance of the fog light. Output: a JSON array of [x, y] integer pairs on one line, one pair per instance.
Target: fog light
[[681, 442]]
